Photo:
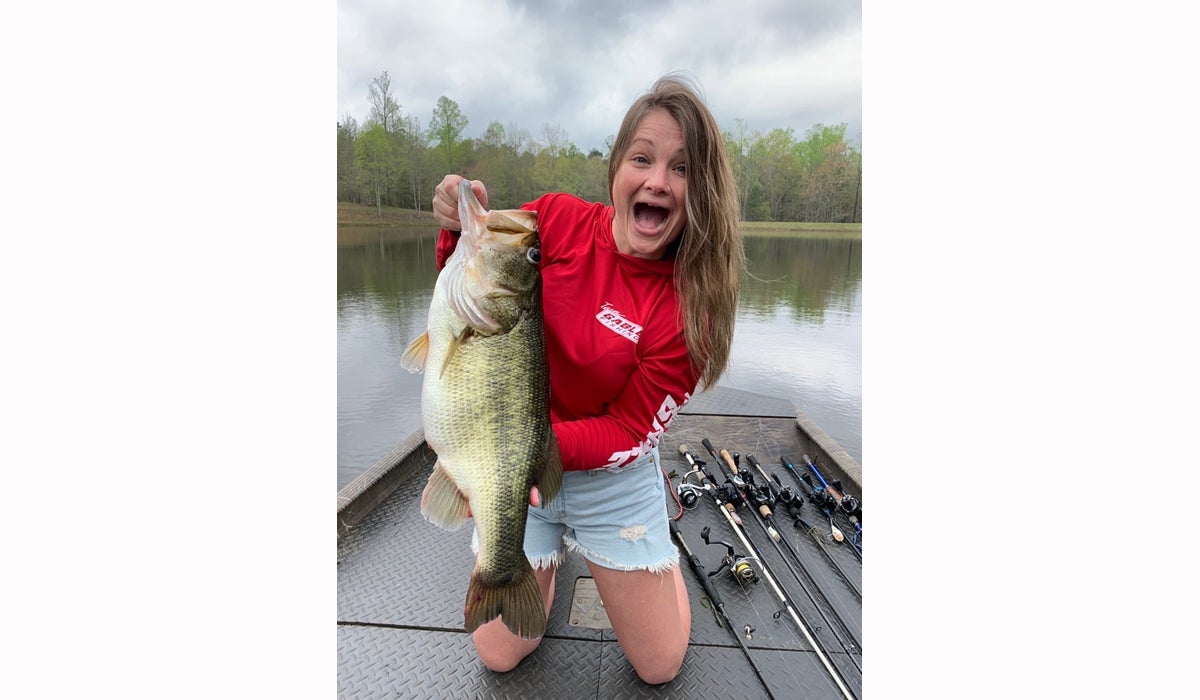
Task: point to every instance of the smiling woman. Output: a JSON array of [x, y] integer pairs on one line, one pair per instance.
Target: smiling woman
[[649, 189], [639, 301]]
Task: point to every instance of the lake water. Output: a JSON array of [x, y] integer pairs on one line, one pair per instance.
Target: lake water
[[798, 335]]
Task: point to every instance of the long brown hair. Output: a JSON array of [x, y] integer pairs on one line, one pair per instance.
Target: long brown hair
[[709, 259]]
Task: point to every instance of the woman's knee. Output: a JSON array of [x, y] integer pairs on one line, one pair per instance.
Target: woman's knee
[[661, 668], [501, 652]]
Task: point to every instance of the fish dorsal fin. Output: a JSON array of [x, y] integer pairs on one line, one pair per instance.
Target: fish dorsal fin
[[415, 356]]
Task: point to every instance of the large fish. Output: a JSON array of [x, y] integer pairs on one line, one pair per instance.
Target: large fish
[[485, 406]]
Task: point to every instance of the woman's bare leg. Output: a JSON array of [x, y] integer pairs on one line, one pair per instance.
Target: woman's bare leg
[[651, 617], [501, 650]]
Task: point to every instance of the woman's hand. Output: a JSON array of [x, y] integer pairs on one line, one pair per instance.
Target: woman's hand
[[445, 201]]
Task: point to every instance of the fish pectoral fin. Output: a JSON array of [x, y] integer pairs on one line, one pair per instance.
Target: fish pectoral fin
[[455, 343], [549, 481], [417, 353], [442, 503]]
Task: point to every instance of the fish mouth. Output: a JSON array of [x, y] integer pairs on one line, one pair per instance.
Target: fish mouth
[[650, 219]]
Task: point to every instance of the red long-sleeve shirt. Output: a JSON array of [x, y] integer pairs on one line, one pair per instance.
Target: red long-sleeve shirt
[[619, 368]]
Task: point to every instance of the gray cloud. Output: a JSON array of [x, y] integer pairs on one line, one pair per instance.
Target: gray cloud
[[578, 64]]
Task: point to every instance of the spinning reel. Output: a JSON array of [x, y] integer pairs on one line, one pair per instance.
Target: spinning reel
[[737, 564]]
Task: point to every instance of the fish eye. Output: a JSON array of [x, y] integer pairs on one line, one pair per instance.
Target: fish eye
[[533, 255]]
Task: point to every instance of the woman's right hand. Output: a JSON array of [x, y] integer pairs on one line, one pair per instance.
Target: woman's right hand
[[445, 201]]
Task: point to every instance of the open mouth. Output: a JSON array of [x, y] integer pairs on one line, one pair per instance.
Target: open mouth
[[649, 218]]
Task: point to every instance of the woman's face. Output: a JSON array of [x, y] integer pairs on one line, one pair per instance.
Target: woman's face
[[650, 188]]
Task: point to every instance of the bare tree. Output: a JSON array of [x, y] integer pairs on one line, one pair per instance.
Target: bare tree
[[384, 108]]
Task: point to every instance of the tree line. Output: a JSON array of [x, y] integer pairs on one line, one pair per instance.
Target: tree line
[[391, 160]]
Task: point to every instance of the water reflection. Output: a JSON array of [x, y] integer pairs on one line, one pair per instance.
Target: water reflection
[[805, 275], [798, 334]]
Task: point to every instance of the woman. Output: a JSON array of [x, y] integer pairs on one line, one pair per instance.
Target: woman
[[639, 300]]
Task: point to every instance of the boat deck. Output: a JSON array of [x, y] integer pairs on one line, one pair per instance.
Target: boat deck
[[402, 582]]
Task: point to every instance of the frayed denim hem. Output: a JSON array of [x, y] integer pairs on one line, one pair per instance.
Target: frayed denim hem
[[658, 567], [546, 561]]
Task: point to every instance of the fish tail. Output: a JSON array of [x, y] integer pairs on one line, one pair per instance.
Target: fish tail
[[518, 603]]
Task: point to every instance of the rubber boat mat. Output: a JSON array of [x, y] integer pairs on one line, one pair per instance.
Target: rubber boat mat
[[402, 582]]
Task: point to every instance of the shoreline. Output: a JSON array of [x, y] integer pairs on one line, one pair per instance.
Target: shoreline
[[350, 215]]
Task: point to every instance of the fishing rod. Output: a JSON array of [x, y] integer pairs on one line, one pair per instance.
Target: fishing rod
[[774, 493], [715, 492], [759, 501], [823, 499], [793, 503], [689, 496], [846, 503], [713, 595], [730, 467]]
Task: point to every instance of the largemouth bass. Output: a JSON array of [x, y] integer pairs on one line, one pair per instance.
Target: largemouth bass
[[485, 406]]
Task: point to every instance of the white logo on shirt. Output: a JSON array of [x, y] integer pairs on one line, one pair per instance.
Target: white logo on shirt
[[617, 323], [666, 413]]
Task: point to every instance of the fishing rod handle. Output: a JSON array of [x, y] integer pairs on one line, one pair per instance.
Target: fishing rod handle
[[697, 567], [728, 458], [721, 463], [820, 478], [729, 468]]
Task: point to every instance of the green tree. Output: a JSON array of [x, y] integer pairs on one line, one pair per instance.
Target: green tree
[[737, 145], [778, 173], [593, 183], [549, 171], [375, 154], [414, 164], [347, 175], [446, 129], [831, 174]]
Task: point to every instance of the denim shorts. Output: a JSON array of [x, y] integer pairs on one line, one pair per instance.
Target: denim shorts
[[614, 517]]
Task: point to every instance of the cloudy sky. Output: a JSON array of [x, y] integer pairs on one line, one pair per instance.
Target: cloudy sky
[[578, 64]]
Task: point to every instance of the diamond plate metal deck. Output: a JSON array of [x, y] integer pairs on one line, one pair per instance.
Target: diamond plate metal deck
[[402, 582]]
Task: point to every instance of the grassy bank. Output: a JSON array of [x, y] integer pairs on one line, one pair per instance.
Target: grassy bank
[[365, 215], [799, 229], [349, 214]]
